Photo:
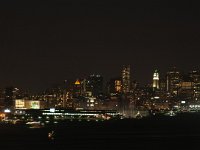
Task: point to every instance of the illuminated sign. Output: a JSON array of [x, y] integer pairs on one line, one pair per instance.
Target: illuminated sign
[[35, 104]]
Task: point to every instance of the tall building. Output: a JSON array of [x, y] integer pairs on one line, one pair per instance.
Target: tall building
[[94, 84], [173, 81], [10, 94], [77, 88], [163, 84], [156, 78], [134, 85], [126, 79], [195, 76], [115, 86], [186, 89]]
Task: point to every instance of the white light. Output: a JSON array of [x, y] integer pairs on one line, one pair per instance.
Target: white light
[[7, 111], [92, 100], [183, 102], [156, 97], [52, 110]]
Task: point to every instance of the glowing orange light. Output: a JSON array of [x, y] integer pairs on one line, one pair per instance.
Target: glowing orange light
[[77, 82]]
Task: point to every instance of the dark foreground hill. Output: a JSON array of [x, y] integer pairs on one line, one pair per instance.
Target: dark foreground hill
[[180, 132]]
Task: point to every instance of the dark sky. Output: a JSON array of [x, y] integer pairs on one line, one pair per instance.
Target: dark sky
[[43, 43]]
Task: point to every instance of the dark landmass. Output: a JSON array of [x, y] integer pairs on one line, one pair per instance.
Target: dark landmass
[[180, 132]]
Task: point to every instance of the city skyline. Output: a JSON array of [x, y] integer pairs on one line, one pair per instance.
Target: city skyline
[[156, 74], [46, 43], [99, 74]]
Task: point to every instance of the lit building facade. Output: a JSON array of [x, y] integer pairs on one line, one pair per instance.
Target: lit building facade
[[126, 79], [156, 79], [195, 76], [173, 81], [163, 84], [77, 90], [29, 104], [186, 91], [115, 86]]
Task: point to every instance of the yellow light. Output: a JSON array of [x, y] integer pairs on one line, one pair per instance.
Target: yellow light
[[77, 82]]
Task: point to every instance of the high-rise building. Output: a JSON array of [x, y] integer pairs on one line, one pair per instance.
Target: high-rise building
[[10, 94], [118, 86], [156, 78], [134, 85], [115, 86], [173, 81], [195, 76], [163, 84], [126, 79], [77, 88], [186, 89], [94, 84], [2, 101]]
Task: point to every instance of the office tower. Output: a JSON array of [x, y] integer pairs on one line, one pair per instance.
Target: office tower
[[2, 99], [94, 84], [77, 88], [126, 79], [173, 81], [163, 84], [115, 86], [186, 89], [156, 78], [118, 85], [195, 77], [11, 94], [83, 86]]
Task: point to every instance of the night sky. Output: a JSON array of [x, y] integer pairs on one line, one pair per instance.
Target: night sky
[[43, 43]]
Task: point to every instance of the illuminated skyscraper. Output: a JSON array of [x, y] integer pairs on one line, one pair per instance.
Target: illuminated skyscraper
[[118, 85], [156, 80], [77, 88], [115, 85], [173, 81], [195, 76], [126, 79]]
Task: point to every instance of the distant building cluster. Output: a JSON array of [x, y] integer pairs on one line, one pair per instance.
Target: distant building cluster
[[173, 90]]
